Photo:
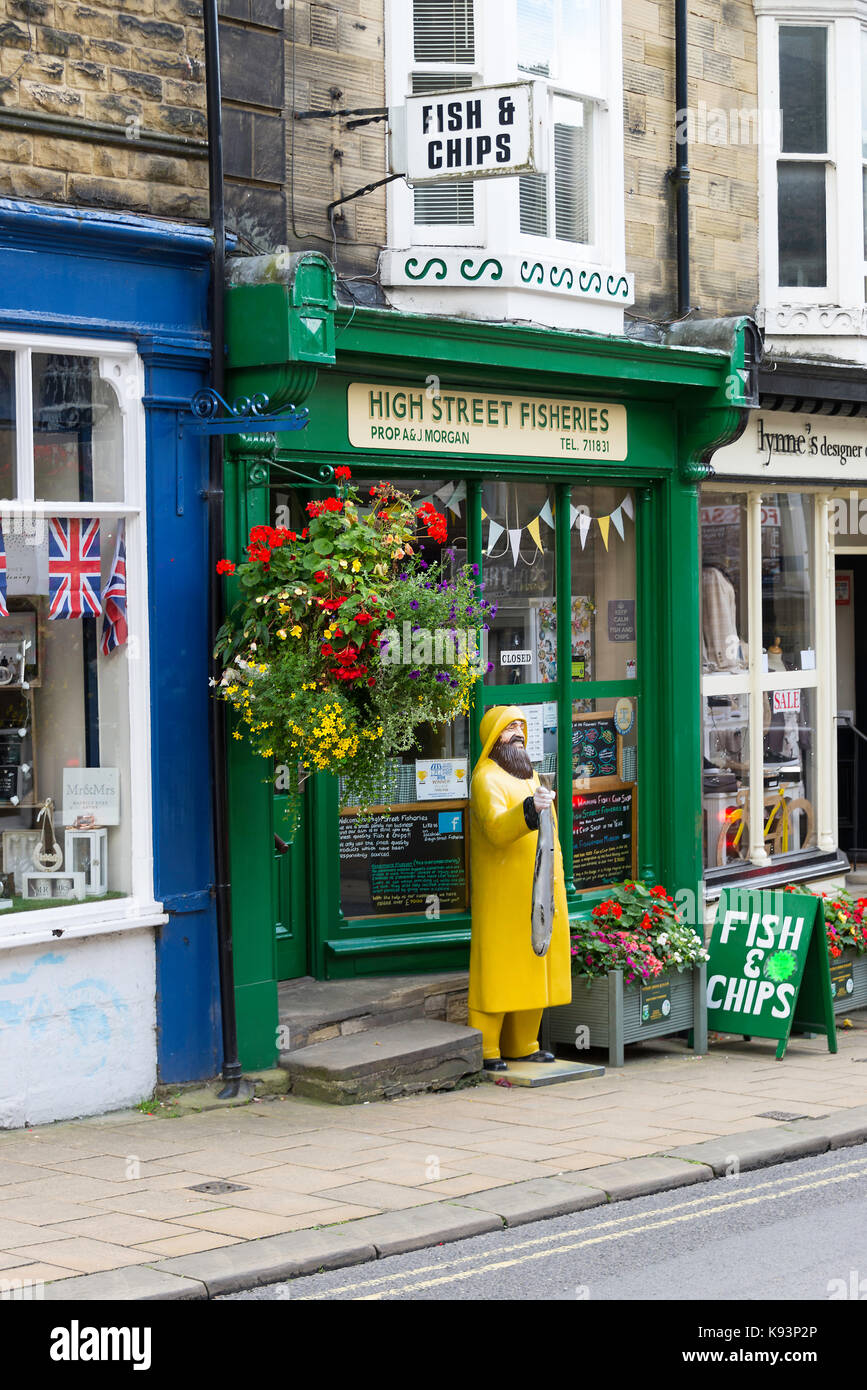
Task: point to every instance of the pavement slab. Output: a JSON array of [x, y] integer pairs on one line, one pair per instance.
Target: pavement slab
[[397, 1232], [524, 1202]]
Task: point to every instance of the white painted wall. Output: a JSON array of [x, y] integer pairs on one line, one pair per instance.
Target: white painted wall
[[77, 1027]]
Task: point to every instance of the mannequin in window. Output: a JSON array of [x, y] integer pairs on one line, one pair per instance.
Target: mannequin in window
[[722, 648]]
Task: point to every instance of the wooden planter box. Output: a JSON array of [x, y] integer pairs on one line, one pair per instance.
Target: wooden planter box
[[855, 964], [612, 1012]]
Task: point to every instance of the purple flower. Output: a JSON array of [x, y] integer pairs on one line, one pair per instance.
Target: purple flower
[[403, 578], [470, 611], [425, 565], [476, 571], [493, 610], [414, 675], [384, 644], [490, 665], [441, 676], [454, 684], [414, 604]]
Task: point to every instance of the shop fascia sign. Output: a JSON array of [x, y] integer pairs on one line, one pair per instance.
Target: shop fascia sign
[[806, 448], [481, 133], [384, 416]]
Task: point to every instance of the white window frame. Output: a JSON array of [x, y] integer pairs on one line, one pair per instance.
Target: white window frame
[[844, 20], [755, 682], [497, 207], [122, 368]]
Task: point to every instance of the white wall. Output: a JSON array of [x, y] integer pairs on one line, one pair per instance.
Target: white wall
[[77, 1027]]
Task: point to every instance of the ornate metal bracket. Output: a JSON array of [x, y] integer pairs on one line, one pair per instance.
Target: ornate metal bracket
[[247, 415]]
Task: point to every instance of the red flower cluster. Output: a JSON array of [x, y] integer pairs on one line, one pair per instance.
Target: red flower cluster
[[264, 539], [602, 909], [344, 474], [331, 504], [435, 523], [225, 567], [331, 605], [320, 577]]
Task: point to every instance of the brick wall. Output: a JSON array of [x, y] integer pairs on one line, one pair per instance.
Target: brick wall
[[103, 105], [338, 64], [723, 157]]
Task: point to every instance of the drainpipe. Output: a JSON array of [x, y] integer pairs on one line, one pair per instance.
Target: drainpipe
[[216, 606], [680, 174]]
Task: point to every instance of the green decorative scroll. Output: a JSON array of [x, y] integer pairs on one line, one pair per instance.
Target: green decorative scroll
[[589, 276], [616, 290], [469, 273], [528, 271], [558, 276], [411, 266]]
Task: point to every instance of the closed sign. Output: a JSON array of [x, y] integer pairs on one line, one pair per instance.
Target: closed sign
[[513, 658], [479, 133]]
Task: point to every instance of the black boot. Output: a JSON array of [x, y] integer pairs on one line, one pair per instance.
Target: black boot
[[535, 1057], [494, 1064]]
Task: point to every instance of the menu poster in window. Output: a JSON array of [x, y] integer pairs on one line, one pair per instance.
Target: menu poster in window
[[91, 796], [535, 717], [604, 838], [595, 745], [411, 861], [621, 620]]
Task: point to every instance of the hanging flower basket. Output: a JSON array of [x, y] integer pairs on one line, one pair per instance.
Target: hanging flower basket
[[639, 972], [345, 639]]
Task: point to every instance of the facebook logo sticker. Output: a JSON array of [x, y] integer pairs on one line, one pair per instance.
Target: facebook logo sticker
[[451, 822]]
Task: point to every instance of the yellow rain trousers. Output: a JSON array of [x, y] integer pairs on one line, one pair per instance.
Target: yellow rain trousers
[[509, 984]]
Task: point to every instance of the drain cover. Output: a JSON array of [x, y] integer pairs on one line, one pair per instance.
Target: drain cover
[[784, 1115], [218, 1188]]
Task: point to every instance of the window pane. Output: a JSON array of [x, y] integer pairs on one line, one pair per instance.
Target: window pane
[[724, 597], [604, 606], [788, 607], [519, 580], [533, 192], [7, 424], [443, 204], [801, 224], [864, 196], [864, 93], [604, 791], [803, 89], [725, 779], [536, 36], [444, 31], [572, 171], [71, 718], [77, 431]]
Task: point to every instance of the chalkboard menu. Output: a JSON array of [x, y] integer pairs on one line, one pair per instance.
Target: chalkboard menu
[[604, 837], [405, 862], [594, 745]]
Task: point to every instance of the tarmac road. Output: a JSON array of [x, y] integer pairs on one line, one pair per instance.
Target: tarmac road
[[797, 1231]]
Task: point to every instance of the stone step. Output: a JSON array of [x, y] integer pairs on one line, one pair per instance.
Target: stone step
[[315, 1011], [394, 1060], [856, 882]]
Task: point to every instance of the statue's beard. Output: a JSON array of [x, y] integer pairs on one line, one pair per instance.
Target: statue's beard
[[512, 758]]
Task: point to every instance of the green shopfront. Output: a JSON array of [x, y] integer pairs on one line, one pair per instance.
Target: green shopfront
[[568, 468]]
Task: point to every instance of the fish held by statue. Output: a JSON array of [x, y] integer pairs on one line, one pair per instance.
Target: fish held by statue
[[543, 884]]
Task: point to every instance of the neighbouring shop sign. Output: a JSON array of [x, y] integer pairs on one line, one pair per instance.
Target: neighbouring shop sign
[[481, 133], [782, 444], [768, 968], [412, 861], [413, 419]]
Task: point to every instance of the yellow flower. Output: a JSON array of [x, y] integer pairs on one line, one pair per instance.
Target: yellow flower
[[281, 633], [297, 632], [344, 564], [356, 566]]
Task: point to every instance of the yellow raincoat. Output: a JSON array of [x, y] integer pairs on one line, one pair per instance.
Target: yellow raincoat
[[505, 974]]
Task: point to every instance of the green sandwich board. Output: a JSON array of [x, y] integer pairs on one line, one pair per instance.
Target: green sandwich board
[[768, 970]]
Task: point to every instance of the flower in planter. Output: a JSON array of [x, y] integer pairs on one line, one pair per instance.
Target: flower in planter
[[844, 916], [637, 930]]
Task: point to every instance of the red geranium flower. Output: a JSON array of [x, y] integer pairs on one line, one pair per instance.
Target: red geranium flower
[[320, 577], [225, 567], [343, 473], [658, 891], [364, 618], [327, 649]]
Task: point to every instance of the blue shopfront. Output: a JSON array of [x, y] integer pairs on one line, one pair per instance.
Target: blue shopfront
[[108, 940]]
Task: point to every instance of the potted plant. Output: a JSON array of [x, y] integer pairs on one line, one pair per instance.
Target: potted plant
[[846, 934], [638, 971], [345, 639]]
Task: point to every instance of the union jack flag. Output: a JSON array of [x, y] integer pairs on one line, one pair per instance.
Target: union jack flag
[[4, 606], [73, 567], [114, 629]]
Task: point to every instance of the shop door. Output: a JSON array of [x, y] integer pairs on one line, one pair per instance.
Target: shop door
[[289, 890], [851, 610]]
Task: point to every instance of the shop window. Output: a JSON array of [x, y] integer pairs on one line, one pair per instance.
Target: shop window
[[761, 669], [604, 603], [604, 791], [71, 732], [519, 574], [804, 158]]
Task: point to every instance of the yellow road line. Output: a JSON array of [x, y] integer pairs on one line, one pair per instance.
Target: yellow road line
[[563, 1249], [704, 1200]]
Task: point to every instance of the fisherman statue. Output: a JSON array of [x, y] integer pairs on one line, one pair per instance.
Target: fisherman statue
[[520, 960]]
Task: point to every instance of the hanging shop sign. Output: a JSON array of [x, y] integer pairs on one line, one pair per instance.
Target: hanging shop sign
[[486, 132], [768, 969], [409, 418]]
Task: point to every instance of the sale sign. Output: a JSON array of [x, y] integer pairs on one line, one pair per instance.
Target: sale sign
[[787, 701], [768, 968]]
